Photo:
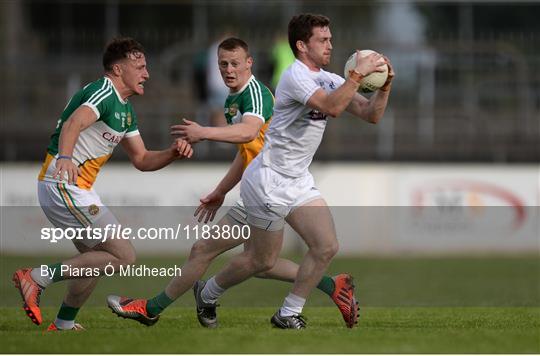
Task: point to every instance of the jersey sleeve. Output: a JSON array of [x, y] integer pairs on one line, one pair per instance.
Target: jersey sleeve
[[95, 97], [338, 79], [300, 86], [256, 103], [133, 128]]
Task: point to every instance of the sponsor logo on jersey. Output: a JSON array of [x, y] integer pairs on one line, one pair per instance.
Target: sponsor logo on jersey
[[111, 137], [233, 110], [316, 115], [93, 209]]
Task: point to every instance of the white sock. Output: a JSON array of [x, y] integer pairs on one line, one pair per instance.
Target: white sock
[[292, 305], [64, 324], [211, 291], [43, 280]]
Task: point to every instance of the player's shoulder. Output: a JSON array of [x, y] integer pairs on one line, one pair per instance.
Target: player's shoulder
[[295, 73], [262, 87], [333, 77], [98, 91], [100, 84]]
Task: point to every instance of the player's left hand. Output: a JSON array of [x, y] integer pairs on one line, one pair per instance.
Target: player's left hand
[[391, 74], [209, 206], [190, 131], [181, 149]]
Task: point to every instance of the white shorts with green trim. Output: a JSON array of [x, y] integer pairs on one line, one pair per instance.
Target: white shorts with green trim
[[68, 206], [269, 196]]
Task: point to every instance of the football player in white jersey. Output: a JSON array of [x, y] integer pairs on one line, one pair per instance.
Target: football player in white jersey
[[277, 186], [96, 119], [248, 110]]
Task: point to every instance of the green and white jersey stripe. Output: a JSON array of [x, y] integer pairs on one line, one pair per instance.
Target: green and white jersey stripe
[[253, 99]]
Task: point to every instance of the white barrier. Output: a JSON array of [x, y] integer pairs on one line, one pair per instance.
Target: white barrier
[[378, 208]]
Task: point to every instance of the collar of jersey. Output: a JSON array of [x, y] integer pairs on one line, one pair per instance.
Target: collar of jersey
[[307, 68], [244, 87], [116, 91]]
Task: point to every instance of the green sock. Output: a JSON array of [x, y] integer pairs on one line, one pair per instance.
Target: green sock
[[56, 268], [327, 285], [67, 313], [157, 304]]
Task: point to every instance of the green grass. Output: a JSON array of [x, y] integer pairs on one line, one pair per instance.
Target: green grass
[[247, 330], [409, 305]]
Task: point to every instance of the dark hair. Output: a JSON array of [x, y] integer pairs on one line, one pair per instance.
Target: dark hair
[[232, 43], [301, 28], [119, 48]]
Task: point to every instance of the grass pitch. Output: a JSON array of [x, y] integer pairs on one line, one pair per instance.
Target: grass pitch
[[412, 305], [247, 330]]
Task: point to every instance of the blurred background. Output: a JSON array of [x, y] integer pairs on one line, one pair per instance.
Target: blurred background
[[467, 88]]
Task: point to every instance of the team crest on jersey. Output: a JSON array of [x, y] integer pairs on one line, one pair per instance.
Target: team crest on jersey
[[233, 110], [93, 209], [128, 119]]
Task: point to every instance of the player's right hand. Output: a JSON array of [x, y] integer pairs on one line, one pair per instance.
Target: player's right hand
[[181, 148], [209, 206], [66, 167], [371, 63]]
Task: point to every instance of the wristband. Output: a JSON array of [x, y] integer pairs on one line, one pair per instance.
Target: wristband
[[355, 76], [63, 157]]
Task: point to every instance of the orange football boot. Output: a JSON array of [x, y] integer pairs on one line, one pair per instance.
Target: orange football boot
[[30, 293], [345, 300]]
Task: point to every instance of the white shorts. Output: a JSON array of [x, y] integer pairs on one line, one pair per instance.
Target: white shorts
[[67, 206], [238, 213], [269, 196]]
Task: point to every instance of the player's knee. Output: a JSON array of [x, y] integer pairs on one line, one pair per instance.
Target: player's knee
[[201, 250], [263, 264], [127, 257], [327, 251]]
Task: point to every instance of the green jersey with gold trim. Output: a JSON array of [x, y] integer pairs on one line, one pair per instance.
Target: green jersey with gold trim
[[116, 119], [253, 99]]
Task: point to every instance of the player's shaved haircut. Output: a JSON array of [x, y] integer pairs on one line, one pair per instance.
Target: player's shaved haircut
[[233, 43]]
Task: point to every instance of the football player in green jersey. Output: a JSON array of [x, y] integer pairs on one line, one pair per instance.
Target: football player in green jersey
[[96, 119], [248, 110]]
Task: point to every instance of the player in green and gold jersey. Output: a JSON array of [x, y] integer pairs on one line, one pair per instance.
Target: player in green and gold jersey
[[96, 119]]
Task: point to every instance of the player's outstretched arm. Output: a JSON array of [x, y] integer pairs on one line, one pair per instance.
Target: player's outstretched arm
[[79, 120], [372, 110], [242, 132], [335, 103], [211, 203], [145, 160]]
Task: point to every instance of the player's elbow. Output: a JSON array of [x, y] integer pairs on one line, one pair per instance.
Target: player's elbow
[[139, 163], [248, 136]]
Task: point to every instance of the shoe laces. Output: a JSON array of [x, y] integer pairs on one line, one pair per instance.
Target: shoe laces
[[38, 297], [299, 321], [209, 310]]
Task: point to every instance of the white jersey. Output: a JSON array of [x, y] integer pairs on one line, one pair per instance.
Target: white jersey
[[296, 130]]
